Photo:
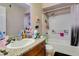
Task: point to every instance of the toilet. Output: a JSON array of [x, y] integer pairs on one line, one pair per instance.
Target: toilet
[[49, 50]]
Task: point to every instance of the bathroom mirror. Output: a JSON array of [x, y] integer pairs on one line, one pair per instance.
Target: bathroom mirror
[[14, 17], [2, 19]]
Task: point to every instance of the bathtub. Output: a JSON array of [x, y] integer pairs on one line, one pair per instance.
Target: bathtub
[[63, 46]]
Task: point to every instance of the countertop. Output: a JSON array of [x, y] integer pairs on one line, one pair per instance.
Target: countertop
[[19, 52]]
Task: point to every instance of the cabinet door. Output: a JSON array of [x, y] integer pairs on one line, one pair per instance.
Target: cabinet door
[[38, 50], [41, 52]]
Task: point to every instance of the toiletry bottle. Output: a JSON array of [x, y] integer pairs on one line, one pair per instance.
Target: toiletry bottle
[[1, 36], [23, 34], [27, 32], [36, 34], [19, 36]]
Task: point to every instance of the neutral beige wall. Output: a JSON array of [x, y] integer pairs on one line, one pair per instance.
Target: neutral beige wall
[[36, 12], [15, 17]]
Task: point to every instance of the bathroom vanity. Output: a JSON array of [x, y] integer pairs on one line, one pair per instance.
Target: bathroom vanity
[[38, 50], [35, 49]]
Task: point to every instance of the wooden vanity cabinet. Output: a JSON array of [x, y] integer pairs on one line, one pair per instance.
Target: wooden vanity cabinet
[[38, 50]]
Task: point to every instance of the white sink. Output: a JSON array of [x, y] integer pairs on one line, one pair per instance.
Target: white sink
[[21, 44]]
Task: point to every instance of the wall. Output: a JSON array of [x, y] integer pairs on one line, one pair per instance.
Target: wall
[[59, 24], [15, 17], [36, 13], [44, 17]]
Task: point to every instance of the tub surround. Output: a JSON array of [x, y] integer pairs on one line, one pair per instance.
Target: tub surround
[[20, 51], [64, 47]]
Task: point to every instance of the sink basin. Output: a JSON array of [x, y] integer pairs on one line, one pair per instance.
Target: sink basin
[[21, 44]]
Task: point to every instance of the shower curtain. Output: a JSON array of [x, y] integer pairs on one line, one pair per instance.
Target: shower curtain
[[75, 24]]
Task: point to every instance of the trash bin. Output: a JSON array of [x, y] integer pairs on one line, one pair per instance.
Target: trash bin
[[49, 50]]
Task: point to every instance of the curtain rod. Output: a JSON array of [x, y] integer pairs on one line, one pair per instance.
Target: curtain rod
[[56, 9]]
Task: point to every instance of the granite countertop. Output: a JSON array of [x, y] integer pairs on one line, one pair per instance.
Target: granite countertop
[[20, 51]]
